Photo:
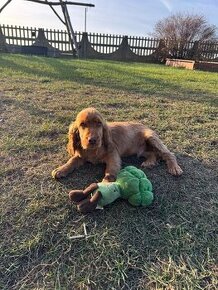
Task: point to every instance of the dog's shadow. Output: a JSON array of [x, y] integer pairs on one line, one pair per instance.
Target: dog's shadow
[[89, 173], [195, 182]]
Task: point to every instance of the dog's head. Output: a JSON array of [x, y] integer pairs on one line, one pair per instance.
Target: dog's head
[[89, 131]]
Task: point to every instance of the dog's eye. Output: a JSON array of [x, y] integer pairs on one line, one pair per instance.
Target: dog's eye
[[83, 125], [98, 123]]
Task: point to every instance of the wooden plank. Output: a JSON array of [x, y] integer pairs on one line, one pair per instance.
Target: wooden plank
[[97, 41], [144, 45], [18, 38], [140, 45], [11, 32], [8, 32], [139, 51], [58, 3], [106, 42], [16, 34], [113, 43], [28, 41], [100, 41], [104, 45], [59, 36]]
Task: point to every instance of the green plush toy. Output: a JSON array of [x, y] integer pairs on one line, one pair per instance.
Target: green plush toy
[[131, 184]]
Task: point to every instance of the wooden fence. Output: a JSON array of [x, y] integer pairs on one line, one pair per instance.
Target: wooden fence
[[17, 35], [206, 50], [103, 43], [107, 44]]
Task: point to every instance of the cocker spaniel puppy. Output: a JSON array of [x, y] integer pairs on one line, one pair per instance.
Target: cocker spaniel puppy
[[92, 139]]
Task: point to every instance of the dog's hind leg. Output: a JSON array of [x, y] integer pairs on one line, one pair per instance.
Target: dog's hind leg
[[151, 160], [160, 150]]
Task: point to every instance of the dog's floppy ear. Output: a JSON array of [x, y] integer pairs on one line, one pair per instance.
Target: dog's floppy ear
[[107, 138], [73, 139]]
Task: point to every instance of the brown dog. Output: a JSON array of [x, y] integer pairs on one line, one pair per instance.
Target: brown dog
[[92, 139]]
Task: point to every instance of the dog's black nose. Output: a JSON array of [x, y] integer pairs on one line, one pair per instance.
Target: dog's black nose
[[92, 140]]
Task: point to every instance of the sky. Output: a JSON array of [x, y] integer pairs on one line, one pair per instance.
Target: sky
[[133, 18]]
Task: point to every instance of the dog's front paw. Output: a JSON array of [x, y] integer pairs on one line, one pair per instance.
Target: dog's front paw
[[59, 172], [109, 178], [148, 163], [175, 170]]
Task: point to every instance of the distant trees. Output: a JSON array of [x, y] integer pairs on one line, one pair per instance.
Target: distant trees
[[179, 29]]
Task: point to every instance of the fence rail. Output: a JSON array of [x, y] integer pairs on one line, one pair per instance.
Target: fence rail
[[104, 45]]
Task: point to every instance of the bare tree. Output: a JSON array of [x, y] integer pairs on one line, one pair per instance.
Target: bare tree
[[180, 29]]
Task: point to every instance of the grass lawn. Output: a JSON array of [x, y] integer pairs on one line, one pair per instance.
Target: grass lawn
[[170, 245]]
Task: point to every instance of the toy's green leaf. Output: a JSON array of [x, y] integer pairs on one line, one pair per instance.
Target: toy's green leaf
[[138, 173], [128, 185], [135, 186], [135, 199], [147, 198], [145, 185]]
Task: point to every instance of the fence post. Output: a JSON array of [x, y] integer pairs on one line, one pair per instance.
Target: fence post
[[83, 45], [195, 51], [41, 40], [3, 44], [124, 48], [161, 52]]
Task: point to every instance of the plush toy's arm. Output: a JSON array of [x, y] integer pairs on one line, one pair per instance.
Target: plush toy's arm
[[91, 188], [85, 202], [78, 195], [88, 205]]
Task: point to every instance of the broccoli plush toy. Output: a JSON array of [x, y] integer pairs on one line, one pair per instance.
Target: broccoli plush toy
[[131, 184]]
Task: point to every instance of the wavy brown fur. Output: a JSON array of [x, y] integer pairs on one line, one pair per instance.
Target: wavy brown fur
[[92, 139]]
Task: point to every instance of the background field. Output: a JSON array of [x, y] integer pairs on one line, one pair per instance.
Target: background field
[[172, 244]]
